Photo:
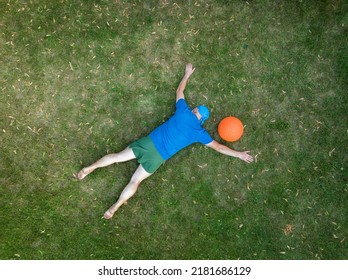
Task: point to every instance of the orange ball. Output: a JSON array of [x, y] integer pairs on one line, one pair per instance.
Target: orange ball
[[230, 129]]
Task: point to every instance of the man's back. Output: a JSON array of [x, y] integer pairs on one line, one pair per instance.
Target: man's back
[[181, 130]]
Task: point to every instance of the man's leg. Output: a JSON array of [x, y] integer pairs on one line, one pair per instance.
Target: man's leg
[[139, 175], [125, 155]]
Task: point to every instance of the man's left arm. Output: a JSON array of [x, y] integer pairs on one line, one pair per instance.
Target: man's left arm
[[229, 152], [180, 90]]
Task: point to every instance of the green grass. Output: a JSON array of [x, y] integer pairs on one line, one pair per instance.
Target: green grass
[[79, 79]]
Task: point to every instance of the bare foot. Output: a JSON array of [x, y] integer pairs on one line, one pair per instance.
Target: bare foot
[[108, 215], [82, 174]]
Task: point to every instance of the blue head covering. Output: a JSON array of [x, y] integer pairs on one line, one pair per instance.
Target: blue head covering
[[204, 112]]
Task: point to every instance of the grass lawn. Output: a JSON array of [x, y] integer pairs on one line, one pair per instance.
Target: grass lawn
[[79, 79]]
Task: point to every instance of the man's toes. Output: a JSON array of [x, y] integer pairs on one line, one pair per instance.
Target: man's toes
[[82, 174], [107, 215]]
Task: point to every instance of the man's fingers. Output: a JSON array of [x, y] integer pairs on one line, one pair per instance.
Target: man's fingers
[[189, 66], [248, 158]]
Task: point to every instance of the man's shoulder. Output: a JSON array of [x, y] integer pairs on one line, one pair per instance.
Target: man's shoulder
[[181, 103]]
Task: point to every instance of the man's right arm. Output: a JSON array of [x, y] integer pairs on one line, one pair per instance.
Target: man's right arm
[[222, 149]]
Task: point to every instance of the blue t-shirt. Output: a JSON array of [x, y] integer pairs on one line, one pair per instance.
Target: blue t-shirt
[[181, 130]]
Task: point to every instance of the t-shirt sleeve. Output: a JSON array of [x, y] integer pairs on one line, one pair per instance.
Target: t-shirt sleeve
[[205, 138], [181, 105]]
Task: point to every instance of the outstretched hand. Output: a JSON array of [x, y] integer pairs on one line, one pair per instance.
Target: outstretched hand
[[189, 70], [246, 157]]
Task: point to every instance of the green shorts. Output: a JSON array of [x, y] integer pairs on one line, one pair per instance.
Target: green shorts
[[147, 154]]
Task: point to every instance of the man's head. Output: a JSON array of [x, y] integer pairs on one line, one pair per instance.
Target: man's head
[[202, 113]]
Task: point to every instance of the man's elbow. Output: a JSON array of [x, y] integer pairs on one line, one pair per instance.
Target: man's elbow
[[179, 92], [220, 148]]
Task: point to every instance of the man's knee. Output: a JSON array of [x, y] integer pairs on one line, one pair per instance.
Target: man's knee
[[135, 181], [139, 175]]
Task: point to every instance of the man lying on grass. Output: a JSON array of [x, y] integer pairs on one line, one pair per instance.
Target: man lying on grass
[[182, 129]]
